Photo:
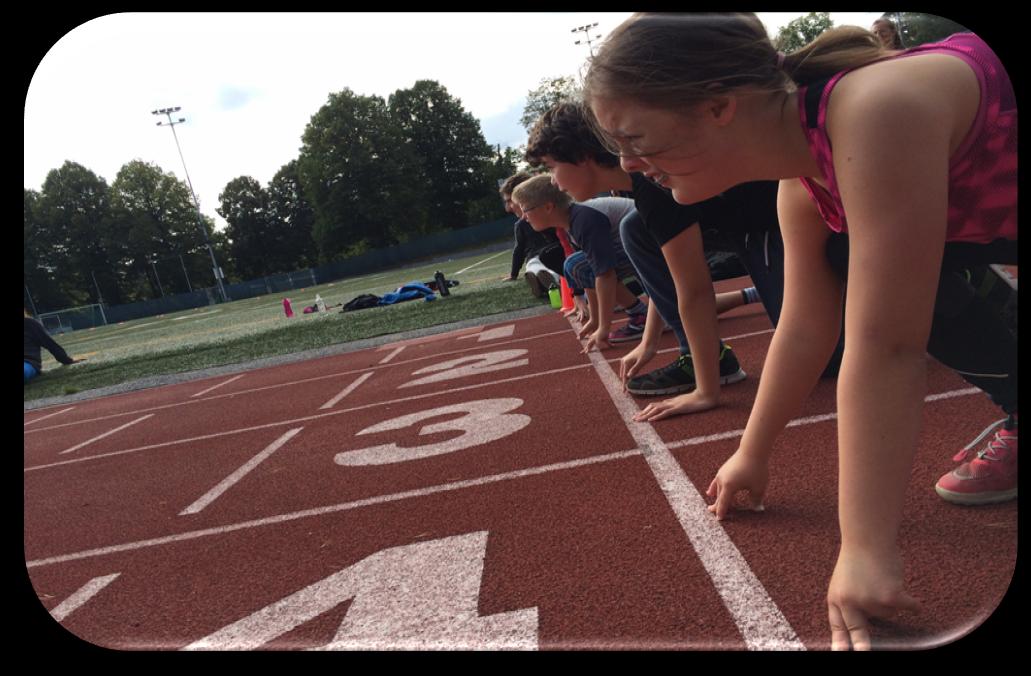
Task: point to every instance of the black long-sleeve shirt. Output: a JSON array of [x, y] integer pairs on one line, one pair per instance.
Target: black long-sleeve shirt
[[530, 243], [36, 338]]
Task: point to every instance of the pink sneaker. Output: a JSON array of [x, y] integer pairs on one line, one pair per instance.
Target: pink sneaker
[[632, 330], [990, 476]]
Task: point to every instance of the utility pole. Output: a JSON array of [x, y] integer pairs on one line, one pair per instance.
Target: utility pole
[[586, 30], [100, 297], [155, 269], [188, 285], [200, 219], [28, 294]]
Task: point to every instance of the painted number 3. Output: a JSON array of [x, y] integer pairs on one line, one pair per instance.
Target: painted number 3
[[484, 421]]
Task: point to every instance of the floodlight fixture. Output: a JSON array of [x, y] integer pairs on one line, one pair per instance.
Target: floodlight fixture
[[200, 218]]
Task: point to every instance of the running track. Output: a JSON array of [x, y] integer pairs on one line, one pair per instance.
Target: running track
[[482, 489]]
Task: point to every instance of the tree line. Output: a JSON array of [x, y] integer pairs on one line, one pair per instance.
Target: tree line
[[370, 173]]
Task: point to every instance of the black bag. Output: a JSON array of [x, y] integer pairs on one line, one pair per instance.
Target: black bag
[[363, 301]]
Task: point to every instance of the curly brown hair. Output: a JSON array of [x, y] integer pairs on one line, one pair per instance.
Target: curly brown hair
[[564, 133]]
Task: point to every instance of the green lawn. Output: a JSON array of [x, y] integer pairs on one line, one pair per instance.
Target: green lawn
[[254, 328]]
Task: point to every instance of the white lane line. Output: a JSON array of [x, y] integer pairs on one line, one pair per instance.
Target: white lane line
[[953, 393], [199, 314], [215, 387], [294, 421], [749, 335], [140, 326], [240, 473], [491, 334], [757, 617], [385, 498], [393, 354], [330, 509], [478, 263], [49, 415], [811, 420], [292, 383], [85, 593], [347, 390], [106, 434]]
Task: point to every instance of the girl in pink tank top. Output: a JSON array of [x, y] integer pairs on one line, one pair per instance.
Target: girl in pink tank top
[[982, 172], [913, 155]]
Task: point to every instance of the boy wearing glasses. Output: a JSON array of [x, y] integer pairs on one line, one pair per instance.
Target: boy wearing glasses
[[542, 251], [600, 266]]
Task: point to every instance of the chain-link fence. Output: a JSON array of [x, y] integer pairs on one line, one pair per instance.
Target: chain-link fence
[[372, 261]]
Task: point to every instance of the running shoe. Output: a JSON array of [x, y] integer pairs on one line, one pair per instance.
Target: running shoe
[[679, 376], [534, 283], [987, 476], [546, 280], [631, 331]]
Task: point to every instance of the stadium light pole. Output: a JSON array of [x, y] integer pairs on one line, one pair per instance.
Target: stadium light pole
[[182, 263], [28, 294], [586, 30], [200, 219], [155, 269]]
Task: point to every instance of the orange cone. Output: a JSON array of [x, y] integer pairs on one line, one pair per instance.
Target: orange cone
[[567, 296]]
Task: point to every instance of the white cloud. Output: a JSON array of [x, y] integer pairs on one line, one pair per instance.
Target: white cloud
[[249, 83]]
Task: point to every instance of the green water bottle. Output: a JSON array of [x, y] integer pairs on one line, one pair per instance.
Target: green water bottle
[[555, 294]]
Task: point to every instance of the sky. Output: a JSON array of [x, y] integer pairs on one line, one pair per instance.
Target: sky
[[248, 83]]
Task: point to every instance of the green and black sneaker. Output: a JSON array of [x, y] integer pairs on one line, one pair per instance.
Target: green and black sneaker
[[679, 377]]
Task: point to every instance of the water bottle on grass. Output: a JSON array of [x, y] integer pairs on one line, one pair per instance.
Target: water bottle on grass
[[555, 296], [441, 284]]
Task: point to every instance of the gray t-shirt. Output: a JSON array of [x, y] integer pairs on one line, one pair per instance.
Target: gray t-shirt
[[594, 226]]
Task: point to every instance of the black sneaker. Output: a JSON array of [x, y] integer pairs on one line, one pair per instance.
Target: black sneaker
[[536, 289], [679, 377], [546, 280]]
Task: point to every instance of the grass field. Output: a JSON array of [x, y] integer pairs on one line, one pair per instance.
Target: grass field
[[245, 330]]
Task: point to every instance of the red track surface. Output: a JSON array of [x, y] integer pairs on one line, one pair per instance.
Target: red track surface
[[245, 518]]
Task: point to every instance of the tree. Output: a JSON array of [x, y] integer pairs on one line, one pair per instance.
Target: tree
[[292, 216], [244, 205], [490, 207], [156, 233], [44, 256], [72, 214], [918, 29], [455, 158], [547, 94], [802, 31], [357, 172]]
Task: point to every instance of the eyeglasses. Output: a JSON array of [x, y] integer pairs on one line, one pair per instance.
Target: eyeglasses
[[526, 211], [623, 149]]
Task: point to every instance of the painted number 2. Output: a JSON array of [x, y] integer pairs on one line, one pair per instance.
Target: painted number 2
[[484, 421]]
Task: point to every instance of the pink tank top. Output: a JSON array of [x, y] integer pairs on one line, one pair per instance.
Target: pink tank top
[[982, 171]]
